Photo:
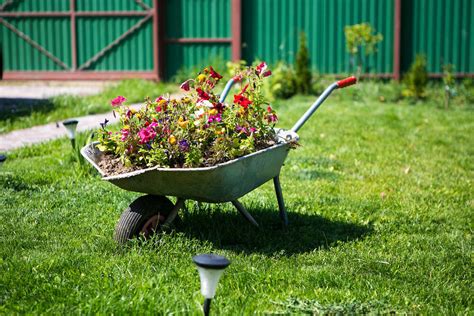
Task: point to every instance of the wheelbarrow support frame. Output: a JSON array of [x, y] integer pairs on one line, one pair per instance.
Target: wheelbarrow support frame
[[276, 180]]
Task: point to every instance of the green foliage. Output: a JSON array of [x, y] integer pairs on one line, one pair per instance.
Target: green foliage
[[361, 37], [282, 83], [416, 78], [379, 201], [303, 67]]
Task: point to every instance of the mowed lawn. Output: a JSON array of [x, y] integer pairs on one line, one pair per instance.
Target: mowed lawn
[[380, 203]]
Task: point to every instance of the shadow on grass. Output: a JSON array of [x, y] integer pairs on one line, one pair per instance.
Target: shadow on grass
[[232, 232], [17, 107]]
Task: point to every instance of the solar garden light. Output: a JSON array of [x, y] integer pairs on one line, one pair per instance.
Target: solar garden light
[[210, 269], [71, 126], [2, 159]]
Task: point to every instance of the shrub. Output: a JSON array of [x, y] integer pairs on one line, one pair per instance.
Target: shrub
[[416, 78], [282, 83], [195, 130], [302, 67]]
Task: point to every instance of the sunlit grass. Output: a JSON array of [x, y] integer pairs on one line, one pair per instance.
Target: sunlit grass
[[380, 204]]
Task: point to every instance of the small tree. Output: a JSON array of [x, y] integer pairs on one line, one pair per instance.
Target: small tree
[[448, 80], [358, 37], [302, 66]]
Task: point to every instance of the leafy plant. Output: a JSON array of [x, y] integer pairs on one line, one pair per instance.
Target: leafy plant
[[302, 67], [361, 37], [195, 130], [282, 83], [416, 79], [448, 81]]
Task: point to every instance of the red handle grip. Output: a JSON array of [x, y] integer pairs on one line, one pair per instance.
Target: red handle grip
[[346, 82]]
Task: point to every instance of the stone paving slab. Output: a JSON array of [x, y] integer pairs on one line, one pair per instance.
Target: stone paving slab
[[42, 133]]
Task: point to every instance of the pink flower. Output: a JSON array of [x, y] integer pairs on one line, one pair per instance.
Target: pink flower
[[185, 85], [118, 101], [146, 134], [215, 118], [252, 130], [125, 133], [267, 73]]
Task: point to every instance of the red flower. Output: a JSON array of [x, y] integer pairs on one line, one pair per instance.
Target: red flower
[[243, 101], [269, 109], [219, 107], [261, 68], [267, 73], [202, 95], [185, 85], [214, 74]]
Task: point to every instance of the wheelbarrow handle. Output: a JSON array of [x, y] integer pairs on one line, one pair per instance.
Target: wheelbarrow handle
[[226, 90], [336, 85]]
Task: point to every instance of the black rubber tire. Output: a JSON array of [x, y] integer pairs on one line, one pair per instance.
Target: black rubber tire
[[138, 213]]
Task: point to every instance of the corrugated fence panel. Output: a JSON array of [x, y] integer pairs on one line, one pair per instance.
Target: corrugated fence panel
[[196, 19], [38, 5], [18, 55], [111, 5], [271, 31], [134, 53], [442, 30]]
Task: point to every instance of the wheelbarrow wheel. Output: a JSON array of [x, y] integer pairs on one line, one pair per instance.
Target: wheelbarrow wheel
[[143, 217]]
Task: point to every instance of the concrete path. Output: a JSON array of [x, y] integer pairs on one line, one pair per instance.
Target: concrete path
[[42, 133], [47, 89]]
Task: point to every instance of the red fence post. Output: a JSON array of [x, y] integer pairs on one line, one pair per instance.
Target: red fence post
[[396, 39], [157, 40], [236, 13], [72, 8]]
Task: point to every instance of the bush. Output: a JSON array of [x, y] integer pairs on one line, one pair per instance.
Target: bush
[[282, 83], [302, 67], [416, 79]]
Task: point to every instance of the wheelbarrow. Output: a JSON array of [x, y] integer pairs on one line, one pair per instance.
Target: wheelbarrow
[[224, 182]]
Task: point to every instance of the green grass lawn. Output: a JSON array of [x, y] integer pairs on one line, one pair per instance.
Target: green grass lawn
[[67, 106], [380, 203]]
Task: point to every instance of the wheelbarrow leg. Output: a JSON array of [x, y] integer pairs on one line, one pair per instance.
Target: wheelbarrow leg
[[172, 215], [244, 212], [281, 202]]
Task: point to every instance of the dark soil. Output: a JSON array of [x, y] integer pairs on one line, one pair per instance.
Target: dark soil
[[112, 166]]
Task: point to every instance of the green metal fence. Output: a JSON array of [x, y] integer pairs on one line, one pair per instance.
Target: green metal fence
[[271, 29], [82, 39], [443, 30]]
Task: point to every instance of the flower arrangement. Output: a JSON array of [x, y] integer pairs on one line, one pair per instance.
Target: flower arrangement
[[195, 130]]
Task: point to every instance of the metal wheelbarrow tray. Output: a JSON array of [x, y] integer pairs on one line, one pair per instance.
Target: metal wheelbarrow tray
[[225, 182]]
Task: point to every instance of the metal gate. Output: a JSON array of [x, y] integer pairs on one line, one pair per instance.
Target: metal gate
[[80, 39]]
